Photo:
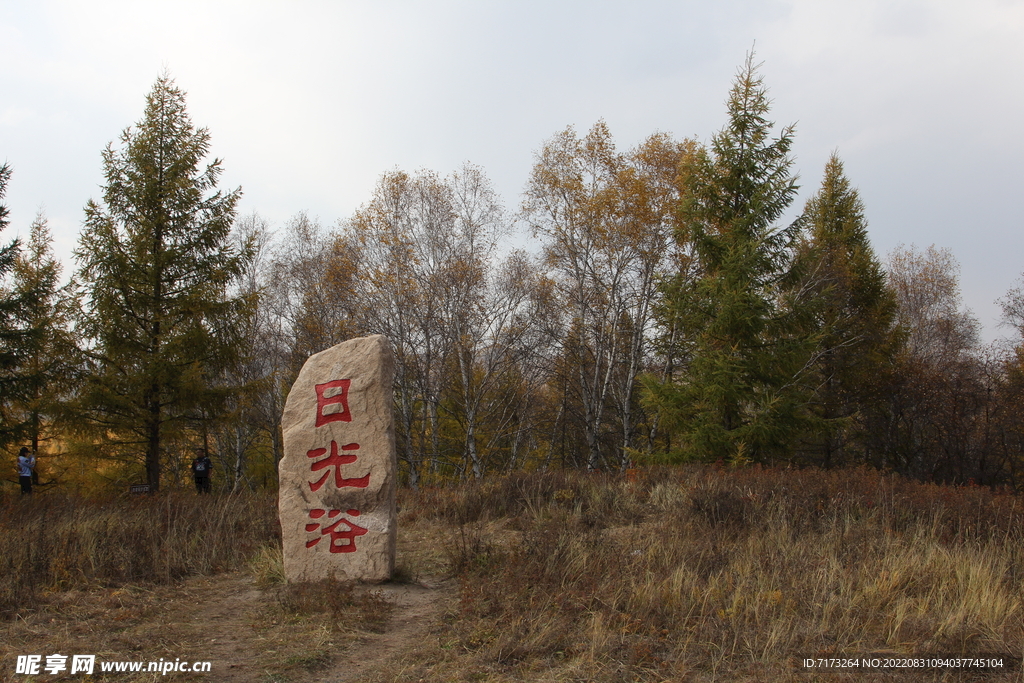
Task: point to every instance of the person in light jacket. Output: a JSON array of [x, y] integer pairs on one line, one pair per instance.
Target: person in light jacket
[[26, 462]]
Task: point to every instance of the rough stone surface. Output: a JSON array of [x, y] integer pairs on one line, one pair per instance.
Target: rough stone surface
[[339, 471]]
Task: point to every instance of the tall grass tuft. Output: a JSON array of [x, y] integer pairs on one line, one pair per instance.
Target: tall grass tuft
[[54, 543]]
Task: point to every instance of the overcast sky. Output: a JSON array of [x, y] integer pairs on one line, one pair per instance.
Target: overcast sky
[[308, 103]]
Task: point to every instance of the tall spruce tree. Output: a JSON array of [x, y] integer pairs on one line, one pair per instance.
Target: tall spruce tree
[[855, 315], [740, 392], [156, 263]]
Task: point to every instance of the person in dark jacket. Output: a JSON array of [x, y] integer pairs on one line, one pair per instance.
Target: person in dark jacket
[[201, 469]]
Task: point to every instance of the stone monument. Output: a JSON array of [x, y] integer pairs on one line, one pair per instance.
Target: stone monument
[[339, 472]]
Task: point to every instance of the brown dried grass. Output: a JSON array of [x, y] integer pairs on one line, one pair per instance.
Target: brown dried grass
[[686, 574], [52, 543], [714, 574]]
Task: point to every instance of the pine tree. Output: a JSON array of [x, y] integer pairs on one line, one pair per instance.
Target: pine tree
[[15, 338], [740, 392], [156, 263], [49, 364], [855, 314]]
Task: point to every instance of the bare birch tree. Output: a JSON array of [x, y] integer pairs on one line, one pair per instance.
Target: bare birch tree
[[606, 221]]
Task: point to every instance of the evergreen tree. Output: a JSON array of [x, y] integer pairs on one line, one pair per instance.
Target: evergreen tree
[[15, 338], [740, 393], [49, 365], [156, 263], [855, 313]]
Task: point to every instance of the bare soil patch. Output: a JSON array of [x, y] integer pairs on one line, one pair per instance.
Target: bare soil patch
[[249, 634]]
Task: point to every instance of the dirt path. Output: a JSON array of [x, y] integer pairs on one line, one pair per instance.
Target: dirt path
[[417, 607], [223, 610]]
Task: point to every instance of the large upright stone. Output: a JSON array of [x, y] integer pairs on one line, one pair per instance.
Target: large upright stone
[[338, 473]]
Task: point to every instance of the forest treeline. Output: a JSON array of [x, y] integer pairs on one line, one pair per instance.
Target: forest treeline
[[679, 308]]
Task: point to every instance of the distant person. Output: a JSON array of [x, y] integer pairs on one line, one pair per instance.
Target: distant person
[[26, 467], [201, 469]]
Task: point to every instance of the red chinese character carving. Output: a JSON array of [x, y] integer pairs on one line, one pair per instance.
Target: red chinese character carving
[[348, 536], [340, 398], [336, 461]]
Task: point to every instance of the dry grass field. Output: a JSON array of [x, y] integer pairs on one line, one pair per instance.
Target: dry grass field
[[682, 574]]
